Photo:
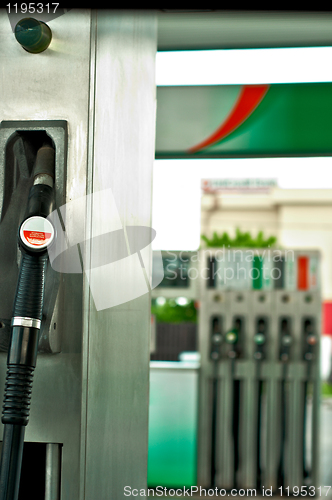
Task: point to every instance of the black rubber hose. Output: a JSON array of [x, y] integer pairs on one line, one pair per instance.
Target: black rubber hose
[[21, 363], [16, 407], [30, 287], [11, 459], [22, 353]]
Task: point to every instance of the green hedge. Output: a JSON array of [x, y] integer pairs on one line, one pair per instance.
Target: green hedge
[[241, 240]]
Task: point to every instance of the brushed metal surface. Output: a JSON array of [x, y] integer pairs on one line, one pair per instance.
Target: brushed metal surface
[[117, 339]]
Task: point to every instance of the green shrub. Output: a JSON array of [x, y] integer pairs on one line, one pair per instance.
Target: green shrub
[[241, 240], [171, 312]]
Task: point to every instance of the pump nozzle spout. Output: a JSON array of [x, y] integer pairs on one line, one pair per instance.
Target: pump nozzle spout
[[44, 169]]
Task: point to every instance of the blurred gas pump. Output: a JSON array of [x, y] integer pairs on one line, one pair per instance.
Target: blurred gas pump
[[268, 377]]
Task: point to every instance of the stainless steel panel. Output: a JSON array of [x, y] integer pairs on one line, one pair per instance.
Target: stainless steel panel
[[117, 339]]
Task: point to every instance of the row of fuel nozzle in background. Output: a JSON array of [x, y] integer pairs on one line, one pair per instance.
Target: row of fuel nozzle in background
[[232, 337]]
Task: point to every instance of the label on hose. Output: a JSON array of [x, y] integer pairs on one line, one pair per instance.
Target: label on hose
[[37, 233]]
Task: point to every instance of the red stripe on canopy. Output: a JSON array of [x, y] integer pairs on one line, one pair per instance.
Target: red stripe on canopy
[[248, 100]]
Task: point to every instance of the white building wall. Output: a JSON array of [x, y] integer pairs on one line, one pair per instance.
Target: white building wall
[[300, 219]]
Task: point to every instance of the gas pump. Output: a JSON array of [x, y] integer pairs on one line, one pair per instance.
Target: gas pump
[[265, 353], [87, 435]]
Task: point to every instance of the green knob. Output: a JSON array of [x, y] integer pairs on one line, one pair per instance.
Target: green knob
[[259, 338], [34, 36], [231, 337]]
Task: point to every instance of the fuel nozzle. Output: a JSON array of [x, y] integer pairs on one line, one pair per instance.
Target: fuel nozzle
[[310, 339], [259, 339], [43, 172], [216, 339], [231, 338], [36, 232], [286, 340]]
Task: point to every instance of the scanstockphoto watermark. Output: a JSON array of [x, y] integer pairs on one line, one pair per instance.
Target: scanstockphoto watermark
[[228, 254], [224, 274], [225, 265], [115, 258], [162, 491]]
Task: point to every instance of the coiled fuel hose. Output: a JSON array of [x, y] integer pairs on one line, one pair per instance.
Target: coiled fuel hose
[[35, 236]]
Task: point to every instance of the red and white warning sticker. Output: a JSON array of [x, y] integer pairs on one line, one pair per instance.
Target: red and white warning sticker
[[37, 232]]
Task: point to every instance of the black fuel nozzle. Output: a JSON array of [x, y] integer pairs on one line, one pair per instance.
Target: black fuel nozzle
[[36, 233]]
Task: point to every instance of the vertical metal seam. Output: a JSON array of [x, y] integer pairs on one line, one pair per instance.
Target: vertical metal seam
[[86, 289]]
